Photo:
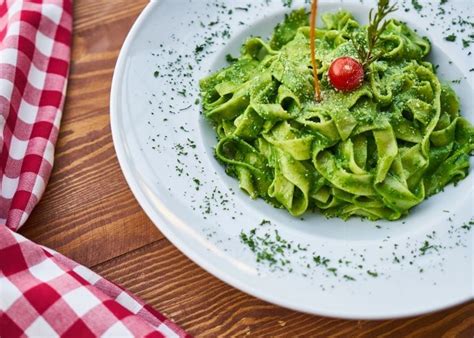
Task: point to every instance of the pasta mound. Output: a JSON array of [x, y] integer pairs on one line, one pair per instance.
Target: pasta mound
[[375, 152]]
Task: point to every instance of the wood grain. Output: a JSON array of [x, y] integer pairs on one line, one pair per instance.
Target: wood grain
[[89, 214], [87, 200]]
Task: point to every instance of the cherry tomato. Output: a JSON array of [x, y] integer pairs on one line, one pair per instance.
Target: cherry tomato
[[346, 74]]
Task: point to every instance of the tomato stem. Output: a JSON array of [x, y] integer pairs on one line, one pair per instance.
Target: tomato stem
[[312, 43]]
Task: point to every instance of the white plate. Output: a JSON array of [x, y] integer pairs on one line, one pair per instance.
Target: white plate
[[165, 150]]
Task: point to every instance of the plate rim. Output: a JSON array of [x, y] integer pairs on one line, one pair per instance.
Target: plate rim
[[164, 224]]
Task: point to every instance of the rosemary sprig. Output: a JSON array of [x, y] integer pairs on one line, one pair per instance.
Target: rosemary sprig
[[375, 29]]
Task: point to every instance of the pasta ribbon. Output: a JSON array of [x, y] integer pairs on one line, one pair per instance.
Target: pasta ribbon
[[375, 152]]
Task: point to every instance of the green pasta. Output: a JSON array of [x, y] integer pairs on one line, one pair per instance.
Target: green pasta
[[375, 152]]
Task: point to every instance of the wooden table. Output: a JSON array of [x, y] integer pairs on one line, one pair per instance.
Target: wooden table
[[89, 214]]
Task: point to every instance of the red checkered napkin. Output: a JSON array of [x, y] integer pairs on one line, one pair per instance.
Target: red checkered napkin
[[42, 293]]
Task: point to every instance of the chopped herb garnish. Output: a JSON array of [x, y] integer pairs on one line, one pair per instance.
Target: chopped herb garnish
[[349, 277], [199, 49], [467, 226], [185, 108], [198, 183], [450, 38], [267, 248], [426, 247], [248, 240], [373, 274], [266, 256], [321, 260], [301, 248], [416, 5]]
